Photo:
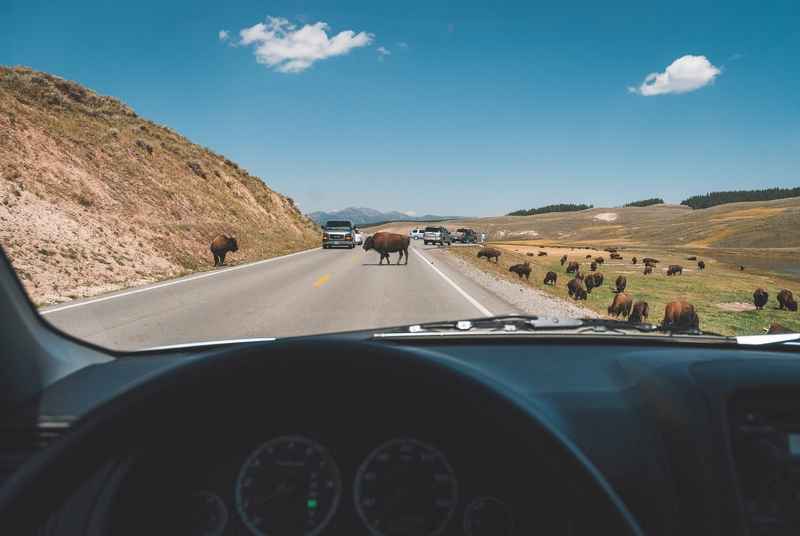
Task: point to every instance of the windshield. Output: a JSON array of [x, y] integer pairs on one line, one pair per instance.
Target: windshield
[[170, 180]]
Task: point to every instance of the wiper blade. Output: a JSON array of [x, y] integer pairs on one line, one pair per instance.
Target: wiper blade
[[507, 324]]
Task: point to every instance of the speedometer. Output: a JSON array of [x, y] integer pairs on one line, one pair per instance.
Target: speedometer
[[289, 486], [405, 486]]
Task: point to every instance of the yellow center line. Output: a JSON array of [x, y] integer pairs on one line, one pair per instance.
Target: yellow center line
[[352, 258], [321, 281]]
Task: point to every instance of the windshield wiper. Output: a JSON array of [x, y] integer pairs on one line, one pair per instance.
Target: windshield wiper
[[508, 324]]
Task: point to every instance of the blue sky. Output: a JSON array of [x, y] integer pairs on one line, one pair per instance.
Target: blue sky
[[478, 109]]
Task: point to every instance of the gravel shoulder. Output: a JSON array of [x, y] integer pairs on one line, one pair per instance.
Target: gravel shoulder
[[530, 300]]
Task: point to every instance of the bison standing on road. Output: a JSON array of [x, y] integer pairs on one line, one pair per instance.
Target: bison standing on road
[[550, 277], [576, 289], [701, 265], [640, 311], [680, 313], [563, 260], [621, 305], [621, 283], [760, 297], [489, 253], [572, 267], [521, 269], [385, 243], [675, 269], [786, 300], [222, 245]]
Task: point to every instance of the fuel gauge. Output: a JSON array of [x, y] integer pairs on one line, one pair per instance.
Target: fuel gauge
[[488, 516]]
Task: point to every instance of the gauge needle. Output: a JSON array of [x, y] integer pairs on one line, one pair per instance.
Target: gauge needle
[[279, 492]]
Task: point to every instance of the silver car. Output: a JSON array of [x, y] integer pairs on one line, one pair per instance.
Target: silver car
[[437, 235]]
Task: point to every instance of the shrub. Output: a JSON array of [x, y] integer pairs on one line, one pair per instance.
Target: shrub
[[197, 167], [144, 145]]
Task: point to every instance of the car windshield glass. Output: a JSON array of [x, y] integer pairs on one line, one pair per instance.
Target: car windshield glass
[[195, 173]]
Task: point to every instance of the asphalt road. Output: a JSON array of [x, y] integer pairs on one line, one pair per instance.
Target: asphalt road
[[316, 291]]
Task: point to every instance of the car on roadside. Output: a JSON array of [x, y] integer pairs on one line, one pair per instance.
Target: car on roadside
[[338, 233], [359, 236], [437, 235], [465, 235], [417, 233]]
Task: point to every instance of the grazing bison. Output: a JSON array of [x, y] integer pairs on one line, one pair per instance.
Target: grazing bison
[[599, 260], [222, 245], [650, 264], [777, 329], [691, 258], [650, 259], [640, 311], [598, 279], [621, 305], [542, 254], [529, 254], [741, 268], [760, 297], [610, 250], [588, 256], [589, 282], [572, 267], [521, 269], [616, 256], [579, 274], [593, 266], [701, 265], [675, 269], [563, 260], [648, 270], [680, 313], [621, 283], [550, 277], [385, 243], [489, 253], [576, 289], [633, 260], [786, 300]]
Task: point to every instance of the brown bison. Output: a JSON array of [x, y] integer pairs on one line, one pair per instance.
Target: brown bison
[[691, 258], [489, 253], [589, 282], [621, 305], [650, 264], [760, 297], [598, 279], [529, 254], [576, 289], [610, 250], [650, 259], [640, 311], [675, 269], [648, 270], [385, 243], [222, 245], [579, 274], [621, 283], [633, 260], [542, 254], [616, 256], [777, 329], [701, 265], [563, 260], [521, 269], [599, 260], [741, 268], [680, 313], [572, 267], [550, 277], [786, 300], [593, 266], [588, 256]]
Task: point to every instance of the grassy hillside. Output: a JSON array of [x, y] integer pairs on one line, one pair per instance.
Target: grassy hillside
[[94, 198], [756, 227]]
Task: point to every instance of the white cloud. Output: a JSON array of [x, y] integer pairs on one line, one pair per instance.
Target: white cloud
[[280, 44], [383, 52], [224, 35], [402, 46], [685, 74], [410, 213]]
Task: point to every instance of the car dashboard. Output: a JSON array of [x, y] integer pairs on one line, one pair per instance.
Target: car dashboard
[[350, 435]]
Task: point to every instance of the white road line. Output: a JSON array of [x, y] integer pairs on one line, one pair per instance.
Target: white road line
[[170, 283], [484, 311]]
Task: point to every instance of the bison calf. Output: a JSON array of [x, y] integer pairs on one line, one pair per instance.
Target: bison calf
[[786, 300], [760, 298], [621, 305], [220, 246], [550, 277], [521, 269], [640, 311]]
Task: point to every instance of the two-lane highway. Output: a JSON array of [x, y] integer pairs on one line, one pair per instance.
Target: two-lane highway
[[316, 291]]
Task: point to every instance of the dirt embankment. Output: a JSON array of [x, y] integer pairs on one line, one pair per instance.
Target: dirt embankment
[[94, 198]]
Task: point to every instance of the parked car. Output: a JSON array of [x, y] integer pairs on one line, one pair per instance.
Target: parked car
[[359, 237], [417, 233], [338, 233], [437, 235], [462, 234]]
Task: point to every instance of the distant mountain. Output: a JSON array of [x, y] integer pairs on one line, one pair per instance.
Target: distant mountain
[[363, 216]]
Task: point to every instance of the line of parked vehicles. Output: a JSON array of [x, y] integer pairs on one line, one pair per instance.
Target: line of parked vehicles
[[436, 234], [343, 233]]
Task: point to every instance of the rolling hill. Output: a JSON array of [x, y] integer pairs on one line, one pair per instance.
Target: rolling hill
[[362, 216], [94, 198]]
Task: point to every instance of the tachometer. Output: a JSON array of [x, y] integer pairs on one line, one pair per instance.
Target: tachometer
[[405, 486], [288, 486]]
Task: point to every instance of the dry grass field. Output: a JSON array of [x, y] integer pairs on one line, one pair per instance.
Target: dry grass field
[[722, 295], [94, 198]]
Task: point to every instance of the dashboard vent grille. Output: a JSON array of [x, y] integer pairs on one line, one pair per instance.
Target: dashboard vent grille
[[18, 444]]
